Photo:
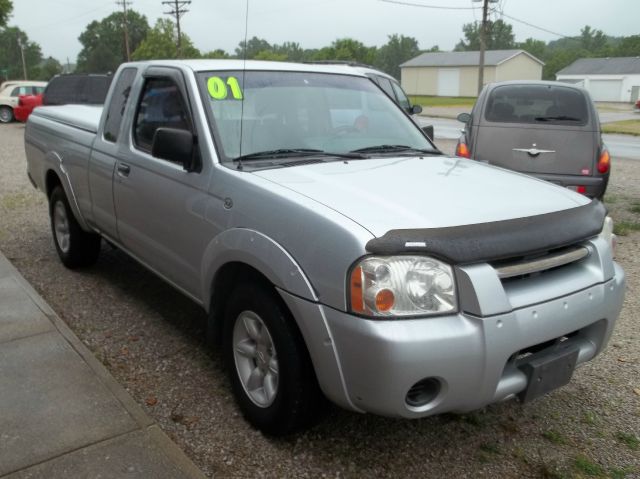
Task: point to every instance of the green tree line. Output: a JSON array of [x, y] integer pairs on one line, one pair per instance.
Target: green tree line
[[103, 47], [556, 54]]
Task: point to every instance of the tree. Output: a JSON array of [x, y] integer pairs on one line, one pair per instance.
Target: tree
[[161, 43], [537, 48], [10, 55], [292, 51], [103, 47], [252, 47], [347, 49], [5, 11], [499, 36], [560, 59], [214, 54], [270, 55], [397, 50], [49, 68], [628, 47], [592, 40]]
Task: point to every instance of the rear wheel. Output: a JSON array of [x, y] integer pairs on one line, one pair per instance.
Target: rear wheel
[[270, 370], [75, 247], [6, 114]]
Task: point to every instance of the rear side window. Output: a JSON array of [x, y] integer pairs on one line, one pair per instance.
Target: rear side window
[[537, 104], [118, 104], [161, 105], [77, 89]]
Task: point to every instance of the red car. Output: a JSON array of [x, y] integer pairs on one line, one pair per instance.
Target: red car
[[26, 104]]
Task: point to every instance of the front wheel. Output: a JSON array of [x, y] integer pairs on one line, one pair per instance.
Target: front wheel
[[75, 247], [270, 370], [6, 114]]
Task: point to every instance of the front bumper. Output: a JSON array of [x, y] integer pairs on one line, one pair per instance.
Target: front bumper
[[370, 365]]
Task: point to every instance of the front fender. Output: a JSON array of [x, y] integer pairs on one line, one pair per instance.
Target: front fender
[[259, 251], [273, 261]]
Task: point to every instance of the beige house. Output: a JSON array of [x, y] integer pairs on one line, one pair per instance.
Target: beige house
[[456, 73]]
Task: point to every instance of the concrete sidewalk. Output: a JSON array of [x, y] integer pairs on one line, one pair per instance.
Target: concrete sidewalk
[[62, 415]]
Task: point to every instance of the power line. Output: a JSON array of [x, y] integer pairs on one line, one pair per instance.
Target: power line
[[537, 27], [125, 28], [178, 10], [422, 5], [63, 22]]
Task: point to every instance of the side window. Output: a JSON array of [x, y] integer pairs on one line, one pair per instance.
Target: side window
[[385, 84], [402, 97], [118, 104], [161, 105]]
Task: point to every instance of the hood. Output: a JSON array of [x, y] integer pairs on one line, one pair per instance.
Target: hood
[[383, 194]]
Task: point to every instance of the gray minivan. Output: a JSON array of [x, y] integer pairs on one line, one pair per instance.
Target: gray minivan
[[549, 130]]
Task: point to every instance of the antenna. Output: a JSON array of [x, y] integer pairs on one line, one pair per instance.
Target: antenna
[[177, 12], [244, 70]]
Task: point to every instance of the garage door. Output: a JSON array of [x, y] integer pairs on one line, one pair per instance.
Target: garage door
[[605, 90], [448, 82]]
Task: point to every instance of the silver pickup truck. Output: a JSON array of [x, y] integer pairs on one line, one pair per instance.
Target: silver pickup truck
[[337, 252]]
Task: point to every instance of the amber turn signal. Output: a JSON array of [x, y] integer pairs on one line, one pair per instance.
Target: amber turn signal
[[463, 150], [357, 299]]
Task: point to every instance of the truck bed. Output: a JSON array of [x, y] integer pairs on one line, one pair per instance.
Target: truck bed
[[83, 117]]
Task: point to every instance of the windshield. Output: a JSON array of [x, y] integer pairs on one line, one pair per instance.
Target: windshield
[[265, 111]]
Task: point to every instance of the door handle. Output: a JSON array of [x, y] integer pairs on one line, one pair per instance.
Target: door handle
[[123, 169]]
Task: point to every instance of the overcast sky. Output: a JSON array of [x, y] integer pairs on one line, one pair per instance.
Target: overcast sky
[[211, 24]]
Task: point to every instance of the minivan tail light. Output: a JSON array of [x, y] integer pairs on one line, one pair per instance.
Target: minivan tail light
[[604, 162], [463, 150]]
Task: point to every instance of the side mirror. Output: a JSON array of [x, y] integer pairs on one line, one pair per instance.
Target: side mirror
[[415, 109], [428, 130], [464, 117], [175, 145]]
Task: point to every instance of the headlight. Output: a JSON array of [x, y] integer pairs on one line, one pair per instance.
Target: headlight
[[402, 286], [608, 235]]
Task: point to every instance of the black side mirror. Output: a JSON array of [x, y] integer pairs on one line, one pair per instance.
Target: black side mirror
[[175, 145], [428, 130], [415, 109], [464, 117]]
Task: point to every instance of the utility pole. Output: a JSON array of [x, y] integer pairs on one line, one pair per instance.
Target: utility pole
[[483, 40], [24, 63], [125, 26], [178, 9]]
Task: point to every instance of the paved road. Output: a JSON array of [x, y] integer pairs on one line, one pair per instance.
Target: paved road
[[620, 146]]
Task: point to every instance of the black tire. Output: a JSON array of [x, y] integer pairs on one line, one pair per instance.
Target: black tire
[[76, 248], [298, 399], [6, 114]]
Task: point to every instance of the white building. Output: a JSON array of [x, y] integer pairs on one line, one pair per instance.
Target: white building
[[606, 79], [456, 73]]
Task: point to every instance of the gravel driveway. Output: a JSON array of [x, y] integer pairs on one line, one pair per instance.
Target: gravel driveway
[[152, 340]]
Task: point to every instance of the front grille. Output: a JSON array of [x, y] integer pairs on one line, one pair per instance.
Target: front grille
[[524, 267]]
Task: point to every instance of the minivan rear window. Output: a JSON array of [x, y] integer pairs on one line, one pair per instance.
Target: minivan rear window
[[538, 104]]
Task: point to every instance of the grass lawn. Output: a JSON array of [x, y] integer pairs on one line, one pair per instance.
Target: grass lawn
[[627, 127], [442, 100]]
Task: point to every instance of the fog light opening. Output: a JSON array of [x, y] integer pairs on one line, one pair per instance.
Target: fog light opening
[[423, 392]]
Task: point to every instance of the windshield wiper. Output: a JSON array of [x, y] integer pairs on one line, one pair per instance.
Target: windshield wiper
[[557, 118], [394, 149], [289, 152]]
